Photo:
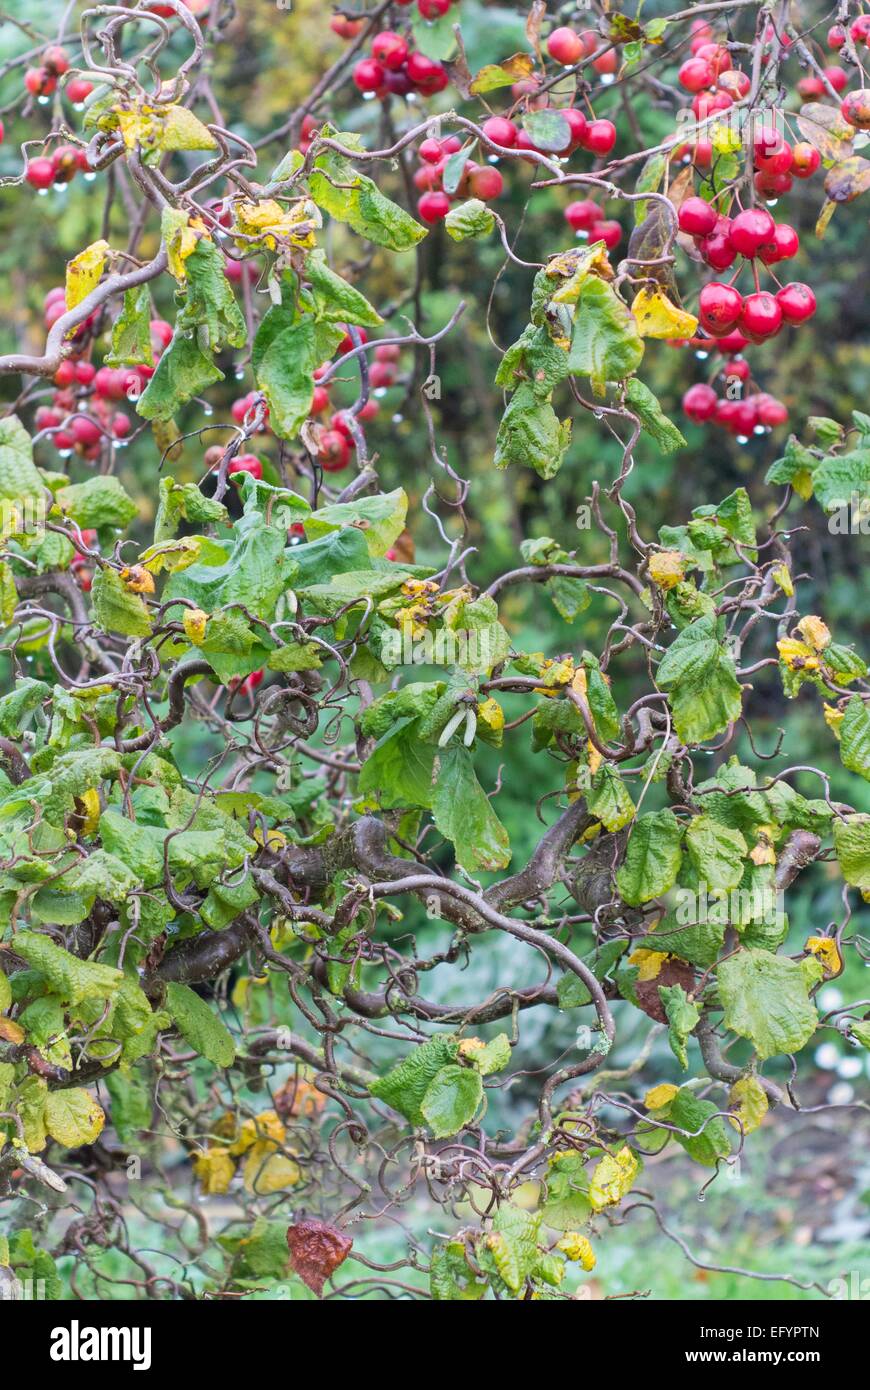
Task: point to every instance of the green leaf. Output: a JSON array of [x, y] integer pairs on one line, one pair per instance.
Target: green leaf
[[101, 501], [398, 772], [840, 478], [716, 852], [765, 1000], [463, 813], [405, 1086], [511, 1250], [704, 1134], [852, 843], [495, 1056], [353, 198], [380, 518], [605, 344], [436, 38], [796, 459], [209, 307], [184, 502], [19, 477], [284, 360], [646, 406], [131, 331], [15, 706], [609, 799], [572, 992], [652, 858], [199, 1025], [73, 1117], [530, 434], [450, 1276], [855, 737], [452, 1099], [336, 301], [470, 219], [72, 979], [116, 609], [131, 1107], [548, 130], [185, 370], [699, 675], [683, 1014], [257, 570]]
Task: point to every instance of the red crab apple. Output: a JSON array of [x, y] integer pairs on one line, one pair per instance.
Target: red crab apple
[[796, 301], [566, 46], [246, 463], [719, 307], [334, 451], [761, 315], [697, 217], [699, 402]]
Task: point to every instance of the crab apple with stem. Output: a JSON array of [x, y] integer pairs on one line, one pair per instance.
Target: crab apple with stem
[[761, 316], [345, 27], [369, 75], [750, 230], [485, 183], [581, 215], [40, 173]]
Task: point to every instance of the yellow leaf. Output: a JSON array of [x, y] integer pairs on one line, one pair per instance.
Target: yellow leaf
[[577, 1248], [137, 579], [763, 851], [667, 568], [269, 222], [815, 632], [649, 963], [797, 656], [194, 620], [657, 317], [73, 1117], [90, 810], [273, 839], [802, 482], [10, 1031], [833, 717], [215, 1169], [824, 948], [594, 758], [748, 1099], [83, 272], [171, 556], [660, 1096], [782, 577], [491, 715], [266, 1171], [612, 1178], [266, 1128], [180, 238]]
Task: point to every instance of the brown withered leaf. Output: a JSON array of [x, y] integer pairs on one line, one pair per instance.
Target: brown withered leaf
[[824, 127], [848, 180], [533, 24], [673, 972], [316, 1251], [648, 241]]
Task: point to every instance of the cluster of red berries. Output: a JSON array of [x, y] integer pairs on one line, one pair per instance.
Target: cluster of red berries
[[337, 440], [743, 417], [481, 181], [82, 411], [587, 218], [61, 167], [395, 69], [42, 81], [752, 233], [710, 75], [816, 88]]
